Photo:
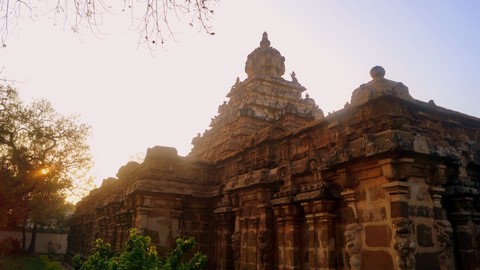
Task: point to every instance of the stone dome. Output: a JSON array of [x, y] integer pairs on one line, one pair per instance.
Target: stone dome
[[379, 86], [265, 60]]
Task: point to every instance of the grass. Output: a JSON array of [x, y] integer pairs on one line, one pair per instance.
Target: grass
[[24, 263]]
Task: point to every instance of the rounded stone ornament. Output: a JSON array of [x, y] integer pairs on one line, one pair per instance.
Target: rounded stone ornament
[[377, 72]]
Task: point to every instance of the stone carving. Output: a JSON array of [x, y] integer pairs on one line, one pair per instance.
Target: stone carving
[[422, 194], [404, 245], [265, 60], [265, 246], [354, 245], [379, 86], [236, 241], [444, 237], [294, 77]]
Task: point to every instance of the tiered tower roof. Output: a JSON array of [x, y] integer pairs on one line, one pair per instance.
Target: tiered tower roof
[[263, 100]]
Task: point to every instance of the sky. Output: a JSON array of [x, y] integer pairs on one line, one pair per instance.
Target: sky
[[135, 98]]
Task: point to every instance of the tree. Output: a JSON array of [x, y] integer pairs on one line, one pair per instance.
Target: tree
[[44, 157], [150, 18]]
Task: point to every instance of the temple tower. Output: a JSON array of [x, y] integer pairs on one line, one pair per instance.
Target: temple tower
[[264, 99]]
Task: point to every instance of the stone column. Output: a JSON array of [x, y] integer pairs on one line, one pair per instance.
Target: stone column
[[443, 229], [236, 239], [321, 234], [265, 237], [225, 222], [353, 231], [460, 215], [398, 193], [279, 236], [404, 242], [402, 226], [313, 244], [289, 225]]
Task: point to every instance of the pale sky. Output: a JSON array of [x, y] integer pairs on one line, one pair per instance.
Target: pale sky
[[134, 98]]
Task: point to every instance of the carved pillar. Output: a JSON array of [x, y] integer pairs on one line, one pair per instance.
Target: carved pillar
[[289, 224], [279, 236], [353, 231], [404, 243], [312, 240], [460, 212], [353, 245], [236, 239], [321, 235], [225, 222], [444, 238], [398, 193], [444, 230], [265, 237], [403, 227]]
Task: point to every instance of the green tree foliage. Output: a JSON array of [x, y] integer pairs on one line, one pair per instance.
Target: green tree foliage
[[44, 156], [141, 254]]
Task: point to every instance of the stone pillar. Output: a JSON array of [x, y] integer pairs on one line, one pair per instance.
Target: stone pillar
[[398, 193], [312, 241], [236, 239], [436, 193], [404, 243], [265, 237], [225, 222], [279, 236], [444, 238], [402, 226], [443, 229], [353, 232], [289, 225], [460, 215], [321, 234], [143, 207]]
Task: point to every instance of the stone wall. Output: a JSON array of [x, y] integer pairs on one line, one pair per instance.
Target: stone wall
[[46, 242]]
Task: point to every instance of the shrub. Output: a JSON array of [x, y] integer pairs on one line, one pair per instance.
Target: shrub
[[9, 247], [141, 254]]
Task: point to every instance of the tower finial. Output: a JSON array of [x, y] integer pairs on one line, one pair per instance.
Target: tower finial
[[265, 43], [377, 72]]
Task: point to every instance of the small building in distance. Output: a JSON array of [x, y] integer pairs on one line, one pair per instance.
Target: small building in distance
[[387, 182]]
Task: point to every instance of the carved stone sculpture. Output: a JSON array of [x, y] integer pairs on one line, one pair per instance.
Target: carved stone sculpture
[[236, 241], [265, 60], [354, 245], [404, 245], [444, 237], [265, 246]]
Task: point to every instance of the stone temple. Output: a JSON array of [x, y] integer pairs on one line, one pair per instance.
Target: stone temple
[[387, 182]]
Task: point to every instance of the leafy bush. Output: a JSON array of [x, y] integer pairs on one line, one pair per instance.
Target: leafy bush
[[9, 247], [141, 254]]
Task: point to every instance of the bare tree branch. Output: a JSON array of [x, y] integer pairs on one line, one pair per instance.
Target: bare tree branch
[[152, 22]]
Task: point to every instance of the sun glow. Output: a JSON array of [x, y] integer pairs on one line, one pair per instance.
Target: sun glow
[[44, 171]]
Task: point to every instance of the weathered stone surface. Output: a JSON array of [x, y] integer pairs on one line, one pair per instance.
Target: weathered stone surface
[[372, 214], [378, 235], [424, 235], [274, 184], [427, 261], [377, 260]]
